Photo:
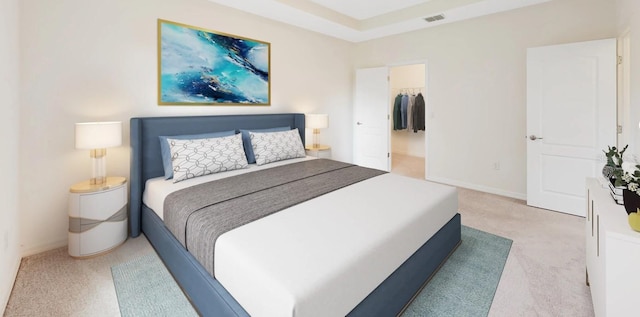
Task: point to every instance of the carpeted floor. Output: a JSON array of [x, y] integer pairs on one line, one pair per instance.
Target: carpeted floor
[[543, 276]]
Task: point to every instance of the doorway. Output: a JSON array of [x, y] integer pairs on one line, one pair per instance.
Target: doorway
[[408, 141], [624, 91]]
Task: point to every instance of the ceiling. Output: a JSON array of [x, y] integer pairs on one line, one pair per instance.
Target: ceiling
[[362, 20]]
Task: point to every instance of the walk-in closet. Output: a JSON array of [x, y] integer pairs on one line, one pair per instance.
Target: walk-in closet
[[408, 119]]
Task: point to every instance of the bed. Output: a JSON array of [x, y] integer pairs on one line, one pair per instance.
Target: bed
[[212, 296]]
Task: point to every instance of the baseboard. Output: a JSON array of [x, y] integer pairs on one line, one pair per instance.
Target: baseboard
[[44, 247], [4, 297], [480, 188]]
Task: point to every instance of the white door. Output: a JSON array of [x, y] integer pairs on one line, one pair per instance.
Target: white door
[[371, 118], [571, 118]]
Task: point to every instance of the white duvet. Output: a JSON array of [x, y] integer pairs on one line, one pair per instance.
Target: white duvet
[[324, 256]]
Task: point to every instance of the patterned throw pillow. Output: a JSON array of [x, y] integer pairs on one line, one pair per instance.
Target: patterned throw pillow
[[246, 140], [271, 147], [199, 157], [166, 151]]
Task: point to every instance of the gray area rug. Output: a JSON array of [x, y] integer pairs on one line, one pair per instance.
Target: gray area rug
[[464, 285], [145, 287]]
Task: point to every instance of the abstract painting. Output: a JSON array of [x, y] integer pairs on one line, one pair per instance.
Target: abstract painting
[[202, 67]]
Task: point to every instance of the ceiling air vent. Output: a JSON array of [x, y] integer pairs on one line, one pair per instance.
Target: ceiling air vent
[[434, 18]]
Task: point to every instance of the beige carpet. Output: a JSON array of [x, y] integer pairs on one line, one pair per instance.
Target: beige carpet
[[544, 274]]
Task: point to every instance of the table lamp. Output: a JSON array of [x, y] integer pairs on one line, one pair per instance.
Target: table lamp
[[97, 137], [316, 122]]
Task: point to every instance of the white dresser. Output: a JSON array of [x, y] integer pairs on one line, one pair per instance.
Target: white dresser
[[613, 255], [97, 217]]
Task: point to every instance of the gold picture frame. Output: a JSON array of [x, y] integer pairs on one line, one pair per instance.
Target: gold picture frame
[[197, 66]]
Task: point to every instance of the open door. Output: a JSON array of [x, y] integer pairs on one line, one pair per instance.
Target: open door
[[371, 118], [571, 118]]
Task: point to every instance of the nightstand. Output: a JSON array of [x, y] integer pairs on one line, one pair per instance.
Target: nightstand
[[320, 151], [97, 217]]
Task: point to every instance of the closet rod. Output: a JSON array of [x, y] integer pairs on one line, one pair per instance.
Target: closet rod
[[407, 89]]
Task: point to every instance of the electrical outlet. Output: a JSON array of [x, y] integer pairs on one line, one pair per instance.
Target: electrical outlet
[[496, 166]]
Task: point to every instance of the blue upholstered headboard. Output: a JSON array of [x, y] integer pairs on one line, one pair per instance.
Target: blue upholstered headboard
[[146, 161]]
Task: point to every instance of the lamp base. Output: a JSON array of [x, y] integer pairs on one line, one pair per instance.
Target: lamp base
[[98, 180], [316, 138], [98, 166]]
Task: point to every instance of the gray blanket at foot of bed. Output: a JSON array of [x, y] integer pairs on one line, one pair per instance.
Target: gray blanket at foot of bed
[[198, 215]]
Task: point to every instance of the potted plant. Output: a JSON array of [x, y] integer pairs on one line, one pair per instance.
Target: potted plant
[[611, 169], [614, 161], [628, 177]]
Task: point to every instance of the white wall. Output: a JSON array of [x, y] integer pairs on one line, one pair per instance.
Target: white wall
[[629, 20], [401, 77], [9, 128], [477, 85], [86, 60]]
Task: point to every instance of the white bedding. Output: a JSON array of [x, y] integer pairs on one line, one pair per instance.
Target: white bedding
[[324, 256]]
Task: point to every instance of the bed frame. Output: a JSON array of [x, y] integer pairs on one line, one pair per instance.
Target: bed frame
[[206, 294]]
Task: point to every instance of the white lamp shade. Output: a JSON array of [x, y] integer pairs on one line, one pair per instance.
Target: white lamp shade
[[317, 121], [98, 135]]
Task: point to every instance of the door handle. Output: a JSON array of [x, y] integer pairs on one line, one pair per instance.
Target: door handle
[[533, 138], [359, 123]]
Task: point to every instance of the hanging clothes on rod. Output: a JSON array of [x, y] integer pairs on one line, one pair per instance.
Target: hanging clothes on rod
[[397, 120], [404, 103], [412, 100], [409, 110], [418, 114]]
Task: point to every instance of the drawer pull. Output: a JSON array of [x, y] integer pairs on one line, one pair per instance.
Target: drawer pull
[[598, 234]]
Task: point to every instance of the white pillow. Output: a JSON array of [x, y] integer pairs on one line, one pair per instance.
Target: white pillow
[[271, 147], [199, 157]]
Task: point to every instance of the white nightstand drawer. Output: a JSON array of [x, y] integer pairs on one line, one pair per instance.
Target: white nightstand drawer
[[101, 238], [102, 205], [97, 217]]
